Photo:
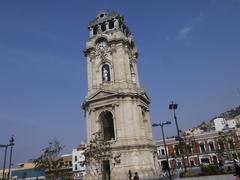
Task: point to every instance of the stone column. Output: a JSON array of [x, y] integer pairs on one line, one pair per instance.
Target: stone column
[[116, 24]]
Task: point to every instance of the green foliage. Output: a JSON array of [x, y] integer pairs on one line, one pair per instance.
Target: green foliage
[[97, 151], [49, 160], [188, 174], [209, 170]]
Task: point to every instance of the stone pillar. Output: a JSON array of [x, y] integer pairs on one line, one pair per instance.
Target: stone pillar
[[116, 24]]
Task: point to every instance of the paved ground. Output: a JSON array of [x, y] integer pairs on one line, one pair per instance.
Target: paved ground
[[217, 177]]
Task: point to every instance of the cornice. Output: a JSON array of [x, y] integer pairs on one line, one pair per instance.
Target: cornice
[[87, 102]]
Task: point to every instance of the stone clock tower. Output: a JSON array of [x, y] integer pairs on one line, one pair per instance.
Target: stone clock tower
[[116, 104]]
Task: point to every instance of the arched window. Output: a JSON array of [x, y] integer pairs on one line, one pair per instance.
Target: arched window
[[211, 146], [202, 147], [95, 29], [106, 73], [111, 25], [106, 119], [103, 27]]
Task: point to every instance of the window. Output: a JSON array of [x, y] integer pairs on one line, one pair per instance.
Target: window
[[75, 158], [202, 147], [205, 160], [75, 167], [165, 165], [176, 149], [189, 148], [162, 152], [103, 27], [95, 29], [111, 25], [211, 146]]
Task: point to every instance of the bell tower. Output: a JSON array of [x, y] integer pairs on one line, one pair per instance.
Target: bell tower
[[115, 103]]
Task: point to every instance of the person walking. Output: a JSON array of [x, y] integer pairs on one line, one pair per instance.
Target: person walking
[[130, 174], [136, 177], [237, 170]]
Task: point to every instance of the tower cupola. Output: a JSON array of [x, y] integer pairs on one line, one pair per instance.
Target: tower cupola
[[108, 22]]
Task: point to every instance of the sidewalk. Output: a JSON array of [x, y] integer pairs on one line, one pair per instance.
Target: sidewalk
[[216, 177]]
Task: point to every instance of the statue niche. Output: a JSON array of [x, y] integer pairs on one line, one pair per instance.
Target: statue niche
[[106, 73]]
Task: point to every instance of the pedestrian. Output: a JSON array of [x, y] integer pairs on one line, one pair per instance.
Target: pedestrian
[[237, 170], [136, 177], [221, 166], [129, 175]]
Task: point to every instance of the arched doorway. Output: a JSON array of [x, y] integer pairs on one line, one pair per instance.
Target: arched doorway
[[106, 119]]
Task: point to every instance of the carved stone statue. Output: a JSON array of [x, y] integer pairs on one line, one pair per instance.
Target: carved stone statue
[[105, 74]]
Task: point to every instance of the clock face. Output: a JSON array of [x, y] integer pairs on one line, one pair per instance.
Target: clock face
[[102, 46]]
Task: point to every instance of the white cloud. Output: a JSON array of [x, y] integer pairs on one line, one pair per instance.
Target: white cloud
[[184, 32]]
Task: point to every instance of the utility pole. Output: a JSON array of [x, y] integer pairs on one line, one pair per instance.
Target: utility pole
[[173, 106], [164, 143]]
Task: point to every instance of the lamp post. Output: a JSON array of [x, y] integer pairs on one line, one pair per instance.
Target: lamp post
[[10, 159], [11, 141], [164, 143], [173, 106], [5, 156]]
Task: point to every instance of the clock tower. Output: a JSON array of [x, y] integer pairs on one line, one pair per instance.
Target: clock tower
[[116, 104]]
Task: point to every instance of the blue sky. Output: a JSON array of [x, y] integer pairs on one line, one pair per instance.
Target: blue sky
[[189, 52]]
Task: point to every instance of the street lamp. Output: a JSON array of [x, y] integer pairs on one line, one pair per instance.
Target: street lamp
[[164, 143], [173, 106], [11, 141], [5, 156]]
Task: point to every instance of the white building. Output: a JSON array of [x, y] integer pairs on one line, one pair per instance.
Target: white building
[[231, 123], [77, 162], [222, 123]]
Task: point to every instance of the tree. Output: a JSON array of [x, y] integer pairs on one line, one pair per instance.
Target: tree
[[99, 157], [49, 160]]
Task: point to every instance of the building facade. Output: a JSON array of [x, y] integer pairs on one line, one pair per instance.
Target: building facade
[[204, 148], [116, 104], [65, 171], [27, 171], [78, 158]]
